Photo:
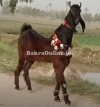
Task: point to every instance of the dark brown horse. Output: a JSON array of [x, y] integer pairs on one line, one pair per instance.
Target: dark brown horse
[[61, 41]]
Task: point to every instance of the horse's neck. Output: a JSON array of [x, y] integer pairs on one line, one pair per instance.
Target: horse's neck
[[69, 19], [59, 28]]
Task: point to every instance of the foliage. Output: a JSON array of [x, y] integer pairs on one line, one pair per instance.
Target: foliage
[[87, 17], [13, 4], [88, 40], [54, 14], [6, 8], [41, 13], [97, 17]]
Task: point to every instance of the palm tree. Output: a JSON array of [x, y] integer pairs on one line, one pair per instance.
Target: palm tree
[[67, 4], [50, 6], [86, 9], [46, 8], [13, 4]]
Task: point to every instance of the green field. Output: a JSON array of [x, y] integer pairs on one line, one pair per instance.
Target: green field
[[88, 40]]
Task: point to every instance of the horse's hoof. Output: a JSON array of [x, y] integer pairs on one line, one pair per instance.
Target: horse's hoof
[[29, 89], [68, 102], [17, 88], [57, 99]]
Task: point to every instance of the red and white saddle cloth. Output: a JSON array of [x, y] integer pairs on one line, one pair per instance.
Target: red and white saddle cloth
[[58, 45]]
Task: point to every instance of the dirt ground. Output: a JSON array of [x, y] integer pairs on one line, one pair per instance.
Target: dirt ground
[[41, 96]]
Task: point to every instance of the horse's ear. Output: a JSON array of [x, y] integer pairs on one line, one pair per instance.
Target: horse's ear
[[80, 4], [69, 4]]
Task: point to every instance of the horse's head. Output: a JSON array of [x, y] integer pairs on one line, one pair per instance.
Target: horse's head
[[75, 10]]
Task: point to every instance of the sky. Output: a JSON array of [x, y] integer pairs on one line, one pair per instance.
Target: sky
[[93, 5]]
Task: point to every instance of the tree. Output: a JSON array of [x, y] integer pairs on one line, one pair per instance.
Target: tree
[[13, 4], [87, 17], [86, 9], [50, 6], [6, 8], [46, 8], [67, 4], [96, 17]]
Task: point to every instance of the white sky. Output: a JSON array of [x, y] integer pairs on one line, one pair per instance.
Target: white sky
[[93, 5]]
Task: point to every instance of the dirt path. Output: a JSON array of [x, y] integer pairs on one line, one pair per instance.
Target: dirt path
[[40, 97]]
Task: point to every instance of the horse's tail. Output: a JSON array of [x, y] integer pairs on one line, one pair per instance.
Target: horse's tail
[[25, 27]]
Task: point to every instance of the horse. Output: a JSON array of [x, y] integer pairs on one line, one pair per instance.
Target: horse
[[60, 41]]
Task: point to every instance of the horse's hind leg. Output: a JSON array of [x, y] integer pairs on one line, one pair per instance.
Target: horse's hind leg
[[17, 73], [26, 74]]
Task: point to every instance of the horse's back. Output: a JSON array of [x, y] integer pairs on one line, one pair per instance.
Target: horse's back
[[31, 40]]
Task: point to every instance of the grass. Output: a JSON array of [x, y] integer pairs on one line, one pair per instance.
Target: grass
[[87, 49], [81, 87], [85, 88], [8, 56], [88, 40], [13, 27], [44, 27]]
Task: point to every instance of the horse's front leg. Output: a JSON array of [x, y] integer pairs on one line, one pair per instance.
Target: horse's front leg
[[64, 90], [63, 81], [57, 89], [59, 68]]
